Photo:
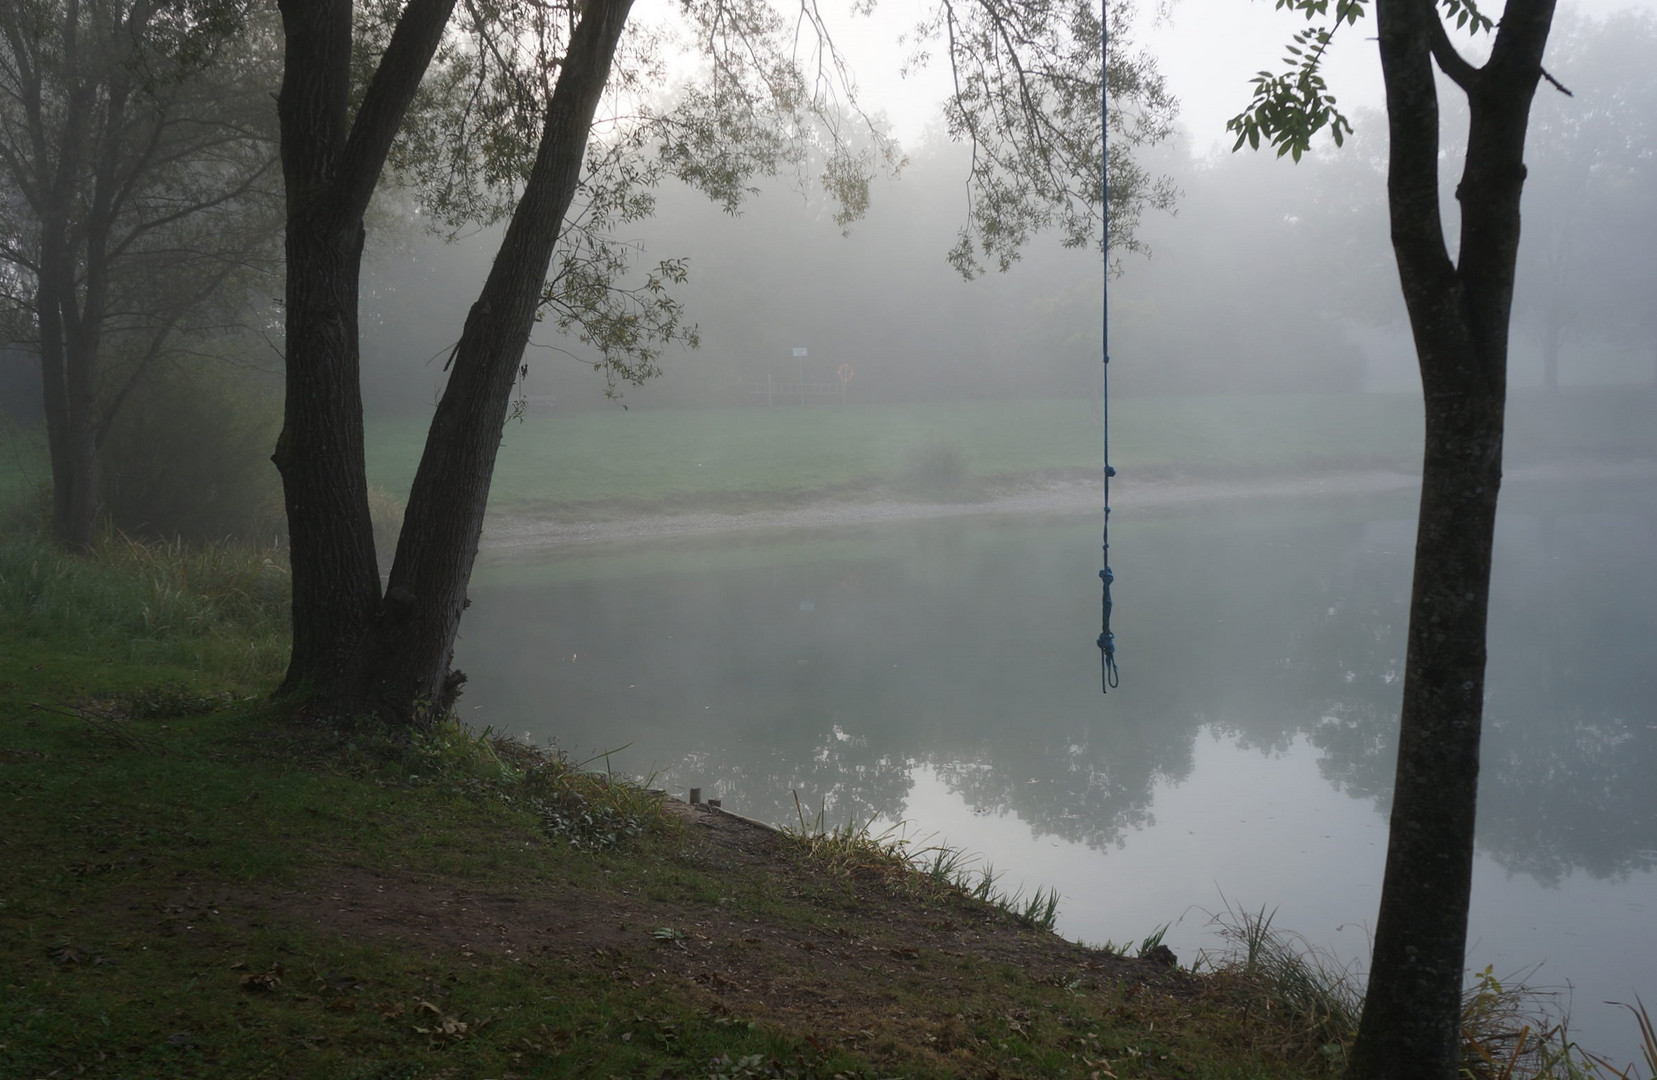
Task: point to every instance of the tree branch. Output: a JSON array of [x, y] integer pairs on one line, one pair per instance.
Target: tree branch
[[1449, 60], [413, 44]]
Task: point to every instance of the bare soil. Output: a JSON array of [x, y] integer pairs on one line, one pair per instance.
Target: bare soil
[[841, 977]]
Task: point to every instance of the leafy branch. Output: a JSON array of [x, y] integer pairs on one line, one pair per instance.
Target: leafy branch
[[1291, 106]]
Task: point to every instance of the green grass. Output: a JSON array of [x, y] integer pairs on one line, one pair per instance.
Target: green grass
[[173, 846], [660, 456], [644, 459], [23, 470], [917, 867], [145, 850], [216, 610]]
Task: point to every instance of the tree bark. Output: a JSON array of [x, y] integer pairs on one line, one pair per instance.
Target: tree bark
[[330, 168], [353, 651], [68, 397], [66, 367], [1460, 314], [408, 673]]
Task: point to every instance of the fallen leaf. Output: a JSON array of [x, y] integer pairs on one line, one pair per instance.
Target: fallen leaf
[[341, 984], [263, 982], [66, 954]]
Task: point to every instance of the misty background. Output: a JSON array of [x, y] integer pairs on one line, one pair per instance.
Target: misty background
[[864, 670], [1270, 277]]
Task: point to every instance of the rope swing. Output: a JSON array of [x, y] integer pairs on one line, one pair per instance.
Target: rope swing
[[1108, 677]]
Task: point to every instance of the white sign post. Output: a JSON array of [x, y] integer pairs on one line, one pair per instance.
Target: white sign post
[[800, 355]]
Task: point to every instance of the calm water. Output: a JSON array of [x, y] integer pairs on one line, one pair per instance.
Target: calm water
[[944, 674]]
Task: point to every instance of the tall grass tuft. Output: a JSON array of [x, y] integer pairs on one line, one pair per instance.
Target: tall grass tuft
[[1511, 1030], [1301, 1004], [590, 810], [1648, 1046], [935, 471], [853, 847], [216, 607]]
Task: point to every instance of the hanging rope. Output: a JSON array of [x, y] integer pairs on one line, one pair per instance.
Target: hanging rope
[[1107, 641]]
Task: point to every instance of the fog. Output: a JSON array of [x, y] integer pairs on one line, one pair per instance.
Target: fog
[[1270, 277], [942, 674]]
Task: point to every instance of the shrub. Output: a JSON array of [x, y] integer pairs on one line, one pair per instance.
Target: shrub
[[934, 470], [188, 456]]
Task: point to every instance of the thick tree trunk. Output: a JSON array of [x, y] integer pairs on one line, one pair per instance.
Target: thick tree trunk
[[336, 582], [1459, 314], [68, 387], [330, 168], [1411, 1018], [408, 670], [351, 650], [68, 393], [320, 451]]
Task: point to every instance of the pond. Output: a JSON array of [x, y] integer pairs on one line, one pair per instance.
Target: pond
[[943, 674]]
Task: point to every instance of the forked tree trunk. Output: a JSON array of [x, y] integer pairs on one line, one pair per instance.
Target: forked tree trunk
[[320, 451], [1459, 314], [352, 650], [408, 669]]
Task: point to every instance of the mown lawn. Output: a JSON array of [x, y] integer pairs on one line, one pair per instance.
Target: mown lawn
[[640, 456], [660, 457]]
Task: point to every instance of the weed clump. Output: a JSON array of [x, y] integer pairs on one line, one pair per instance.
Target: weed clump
[[1301, 1004], [216, 607], [588, 809], [935, 470], [930, 869]]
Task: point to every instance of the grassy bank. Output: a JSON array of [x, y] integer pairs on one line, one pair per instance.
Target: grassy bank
[[216, 614], [646, 459], [195, 884], [23, 469]]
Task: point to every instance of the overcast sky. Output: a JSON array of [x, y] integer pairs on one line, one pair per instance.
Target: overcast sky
[[1207, 49]]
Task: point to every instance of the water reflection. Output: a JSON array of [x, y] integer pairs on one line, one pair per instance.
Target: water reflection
[[832, 665]]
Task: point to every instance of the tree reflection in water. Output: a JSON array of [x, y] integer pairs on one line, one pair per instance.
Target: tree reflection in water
[[833, 664]]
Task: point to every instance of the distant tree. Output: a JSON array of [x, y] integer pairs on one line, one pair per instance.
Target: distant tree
[[1459, 309], [136, 155], [500, 131], [1178, 316], [1589, 271]]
